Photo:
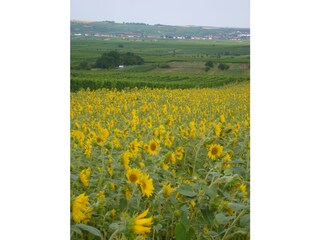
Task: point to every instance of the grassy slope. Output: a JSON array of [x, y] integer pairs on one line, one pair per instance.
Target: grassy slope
[[160, 51], [185, 58]]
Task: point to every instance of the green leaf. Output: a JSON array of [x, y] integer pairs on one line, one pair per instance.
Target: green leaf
[[181, 233], [186, 190], [210, 191], [184, 220], [207, 215], [236, 206], [123, 203], [245, 221], [157, 227], [222, 219], [115, 226], [76, 229], [191, 233], [90, 229]]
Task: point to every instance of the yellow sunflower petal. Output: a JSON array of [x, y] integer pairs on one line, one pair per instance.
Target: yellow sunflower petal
[[142, 215]]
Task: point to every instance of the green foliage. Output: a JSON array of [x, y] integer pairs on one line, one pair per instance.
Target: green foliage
[[160, 51], [84, 65], [113, 59], [186, 190], [209, 64], [164, 65], [223, 66], [121, 80], [94, 231]]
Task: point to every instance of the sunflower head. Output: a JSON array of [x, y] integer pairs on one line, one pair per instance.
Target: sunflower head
[[146, 185], [180, 151], [167, 190], [133, 175], [80, 209], [153, 147], [139, 225], [126, 156], [142, 224], [84, 176], [215, 151], [134, 147], [171, 158]]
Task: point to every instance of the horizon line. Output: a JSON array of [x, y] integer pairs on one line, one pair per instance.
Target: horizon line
[[91, 21]]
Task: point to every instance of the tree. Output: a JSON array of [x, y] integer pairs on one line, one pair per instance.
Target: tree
[[209, 64], [223, 66]]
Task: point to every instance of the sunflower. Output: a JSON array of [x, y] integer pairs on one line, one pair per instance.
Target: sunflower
[[217, 130], [134, 147], [146, 185], [193, 132], [88, 148], [110, 170], [167, 190], [116, 143], [127, 192], [100, 140], [222, 118], [84, 176], [142, 224], [117, 132], [243, 189], [112, 186], [226, 161], [92, 135], [126, 156], [133, 175], [165, 166], [101, 196], [215, 151], [171, 158], [154, 147], [80, 210], [168, 141], [180, 152]]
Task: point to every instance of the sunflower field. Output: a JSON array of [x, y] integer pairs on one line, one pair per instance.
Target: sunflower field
[[160, 163]]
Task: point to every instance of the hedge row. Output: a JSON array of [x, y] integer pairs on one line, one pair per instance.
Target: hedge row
[[78, 84]]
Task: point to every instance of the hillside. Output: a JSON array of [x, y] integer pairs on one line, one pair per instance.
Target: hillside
[[110, 28]]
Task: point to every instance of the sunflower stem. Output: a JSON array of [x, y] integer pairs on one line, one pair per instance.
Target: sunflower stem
[[114, 234]]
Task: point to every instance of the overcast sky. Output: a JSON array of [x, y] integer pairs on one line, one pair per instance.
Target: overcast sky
[[217, 13]]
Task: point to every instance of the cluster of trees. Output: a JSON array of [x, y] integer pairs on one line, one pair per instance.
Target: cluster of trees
[[221, 66], [111, 60], [114, 59]]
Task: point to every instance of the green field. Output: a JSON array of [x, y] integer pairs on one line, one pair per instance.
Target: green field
[[168, 63]]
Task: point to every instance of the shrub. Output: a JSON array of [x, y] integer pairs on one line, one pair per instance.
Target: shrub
[[223, 66], [209, 64]]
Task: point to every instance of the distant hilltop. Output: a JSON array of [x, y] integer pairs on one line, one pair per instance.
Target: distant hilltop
[[143, 30], [80, 21]]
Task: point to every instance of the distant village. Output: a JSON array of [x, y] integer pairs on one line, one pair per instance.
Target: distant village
[[100, 29], [237, 35]]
